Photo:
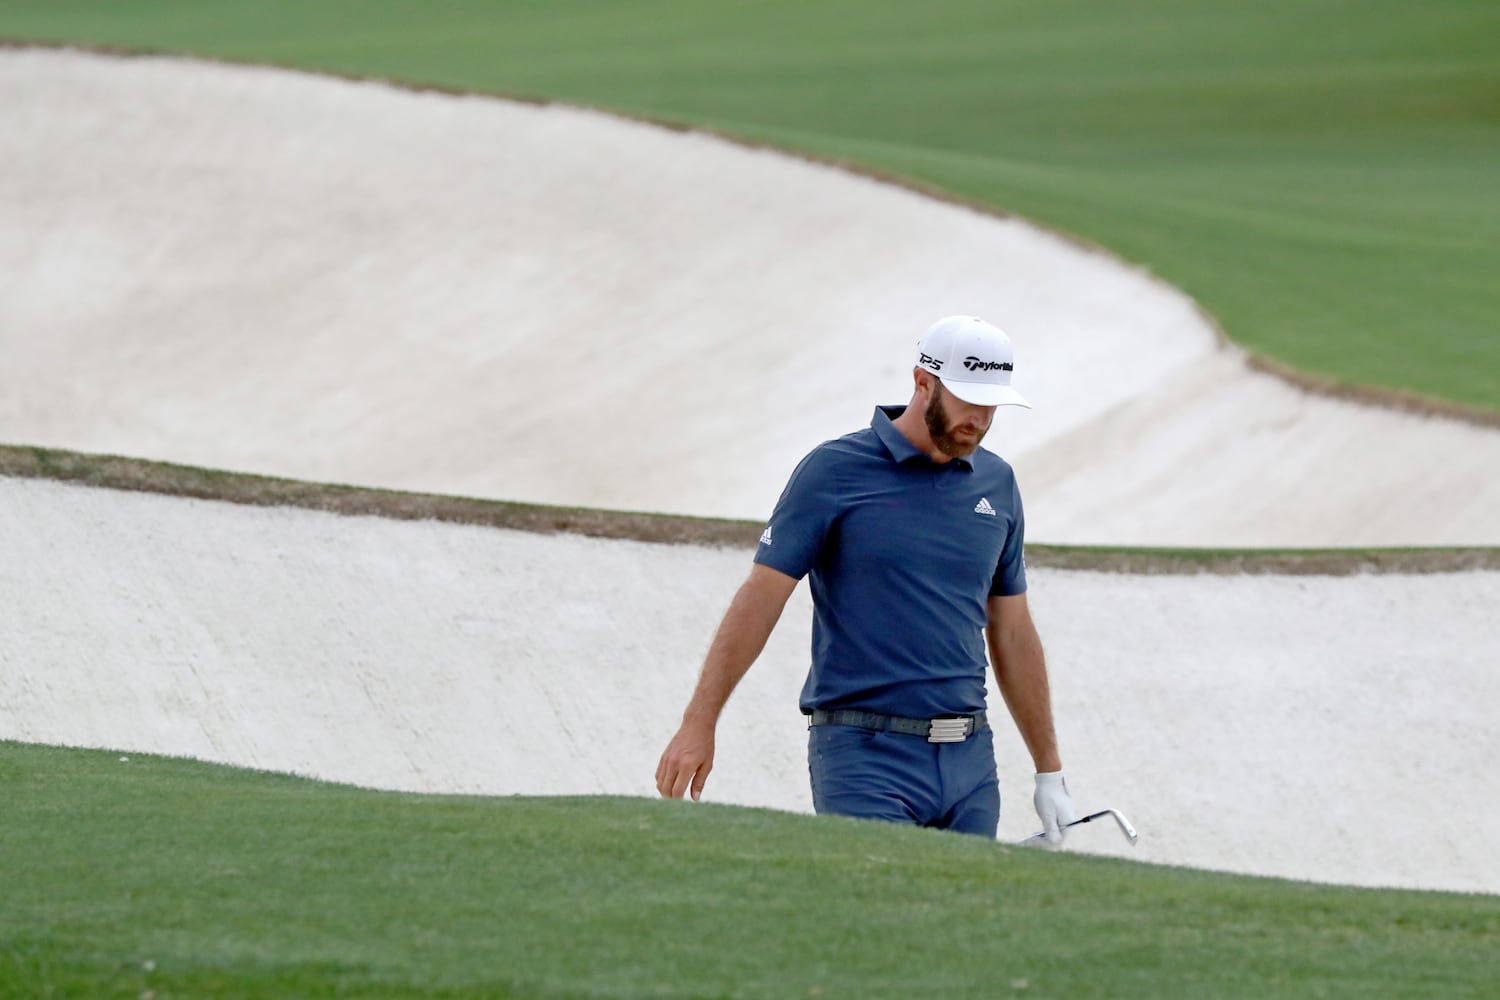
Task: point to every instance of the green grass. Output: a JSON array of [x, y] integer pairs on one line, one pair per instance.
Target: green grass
[[171, 878], [1320, 174]]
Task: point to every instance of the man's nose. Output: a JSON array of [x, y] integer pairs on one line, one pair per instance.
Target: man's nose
[[981, 416]]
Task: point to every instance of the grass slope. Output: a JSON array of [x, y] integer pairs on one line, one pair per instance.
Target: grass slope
[[1319, 175], [133, 876]]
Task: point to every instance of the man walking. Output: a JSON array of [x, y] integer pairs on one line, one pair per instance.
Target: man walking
[[912, 537]]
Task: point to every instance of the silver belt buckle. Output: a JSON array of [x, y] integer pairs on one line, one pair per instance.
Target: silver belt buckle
[[948, 730]]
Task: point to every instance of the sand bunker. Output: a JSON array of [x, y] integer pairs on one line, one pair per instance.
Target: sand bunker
[[275, 272], [1330, 728]]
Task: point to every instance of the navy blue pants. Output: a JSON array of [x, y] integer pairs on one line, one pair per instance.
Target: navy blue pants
[[871, 774]]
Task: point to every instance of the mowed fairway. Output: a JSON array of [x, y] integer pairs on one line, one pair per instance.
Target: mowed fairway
[[131, 876], [1319, 176]]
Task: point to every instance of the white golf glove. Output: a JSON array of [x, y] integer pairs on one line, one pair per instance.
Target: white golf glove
[[1053, 805]]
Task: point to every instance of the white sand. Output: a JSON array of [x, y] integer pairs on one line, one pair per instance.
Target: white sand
[[271, 272], [1329, 728]]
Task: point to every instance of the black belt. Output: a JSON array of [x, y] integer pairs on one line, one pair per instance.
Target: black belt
[[949, 729]]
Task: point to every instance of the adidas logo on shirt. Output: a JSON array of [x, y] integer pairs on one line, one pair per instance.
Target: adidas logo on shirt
[[983, 507], [765, 536]]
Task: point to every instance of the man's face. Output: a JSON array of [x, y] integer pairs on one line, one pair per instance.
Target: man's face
[[956, 427]]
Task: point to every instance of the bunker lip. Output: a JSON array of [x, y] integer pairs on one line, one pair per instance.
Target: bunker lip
[[142, 476]]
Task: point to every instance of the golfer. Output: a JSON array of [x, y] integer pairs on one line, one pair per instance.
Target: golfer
[[912, 537]]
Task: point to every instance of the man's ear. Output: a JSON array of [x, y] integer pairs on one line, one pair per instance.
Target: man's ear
[[924, 382]]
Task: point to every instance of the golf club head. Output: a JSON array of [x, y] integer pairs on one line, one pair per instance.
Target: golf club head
[[1115, 814]]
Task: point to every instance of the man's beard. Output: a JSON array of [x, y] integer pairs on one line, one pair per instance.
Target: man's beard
[[944, 435]]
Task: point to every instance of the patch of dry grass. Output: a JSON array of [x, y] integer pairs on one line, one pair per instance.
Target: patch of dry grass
[[138, 475]]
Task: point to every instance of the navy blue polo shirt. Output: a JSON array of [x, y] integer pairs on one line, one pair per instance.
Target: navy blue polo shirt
[[903, 554]]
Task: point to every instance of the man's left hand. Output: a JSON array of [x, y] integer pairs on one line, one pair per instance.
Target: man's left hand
[[1053, 804]]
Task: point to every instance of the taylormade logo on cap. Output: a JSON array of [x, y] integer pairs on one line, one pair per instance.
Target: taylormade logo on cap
[[973, 359]]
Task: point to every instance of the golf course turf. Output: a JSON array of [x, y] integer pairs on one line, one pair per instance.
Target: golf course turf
[[1320, 177], [129, 875]]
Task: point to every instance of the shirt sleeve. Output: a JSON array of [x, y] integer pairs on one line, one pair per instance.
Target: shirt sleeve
[[800, 522], [1010, 573]]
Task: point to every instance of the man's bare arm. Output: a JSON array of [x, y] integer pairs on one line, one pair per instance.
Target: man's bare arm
[[1021, 671], [757, 606]]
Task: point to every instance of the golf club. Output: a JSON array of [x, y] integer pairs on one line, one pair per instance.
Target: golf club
[[1119, 817]]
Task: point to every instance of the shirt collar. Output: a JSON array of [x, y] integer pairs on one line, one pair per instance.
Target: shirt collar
[[896, 443]]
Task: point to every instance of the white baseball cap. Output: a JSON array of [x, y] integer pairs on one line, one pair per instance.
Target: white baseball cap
[[973, 359]]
